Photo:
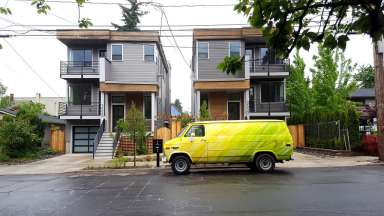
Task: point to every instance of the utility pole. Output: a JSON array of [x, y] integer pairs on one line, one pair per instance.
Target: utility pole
[[378, 49]]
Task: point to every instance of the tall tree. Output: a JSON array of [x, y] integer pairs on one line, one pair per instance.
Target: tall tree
[[365, 76], [178, 105], [131, 16], [288, 24], [298, 91], [3, 89]]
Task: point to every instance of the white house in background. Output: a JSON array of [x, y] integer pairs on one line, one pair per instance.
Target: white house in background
[[51, 103]]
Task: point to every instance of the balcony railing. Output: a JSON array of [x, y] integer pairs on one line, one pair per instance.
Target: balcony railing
[[268, 67], [79, 68], [267, 107], [70, 109]]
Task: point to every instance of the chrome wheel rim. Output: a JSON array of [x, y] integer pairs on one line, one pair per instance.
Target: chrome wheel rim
[[180, 165], [265, 163]]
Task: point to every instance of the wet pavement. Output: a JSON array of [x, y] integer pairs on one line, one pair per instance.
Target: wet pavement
[[295, 191]]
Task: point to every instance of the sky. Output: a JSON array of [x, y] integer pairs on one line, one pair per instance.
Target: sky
[[44, 53]]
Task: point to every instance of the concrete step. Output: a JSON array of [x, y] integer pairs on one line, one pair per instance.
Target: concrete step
[[105, 147]]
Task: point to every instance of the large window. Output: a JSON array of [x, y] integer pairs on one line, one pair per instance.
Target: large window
[[80, 94], [203, 50], [117, 52], [272, 92], [81, 57], [149, 53], [234, 48], [196, 131], [263, 55], [147, 107]]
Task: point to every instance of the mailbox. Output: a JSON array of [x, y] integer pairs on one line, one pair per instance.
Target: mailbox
[[157, 146]]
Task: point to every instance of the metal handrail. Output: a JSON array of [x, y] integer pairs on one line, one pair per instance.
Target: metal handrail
[[268, 107], [82, 109], [98, 136], [79, 68], [116, 140]]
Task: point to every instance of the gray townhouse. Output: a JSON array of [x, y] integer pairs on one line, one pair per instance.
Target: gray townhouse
[[256, 92], [106, 72]]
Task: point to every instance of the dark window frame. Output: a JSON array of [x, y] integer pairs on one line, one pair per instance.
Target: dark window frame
[[188, 133]]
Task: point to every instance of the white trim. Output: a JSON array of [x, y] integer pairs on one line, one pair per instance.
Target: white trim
[[234, 101], [154, 56], [229, 47], [91, 117], [79, 76], [197, 62], [153, 111], [272, 114], [122, 52]]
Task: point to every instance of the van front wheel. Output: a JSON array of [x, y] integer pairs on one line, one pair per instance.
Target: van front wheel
[[265, 163], [180, 165]]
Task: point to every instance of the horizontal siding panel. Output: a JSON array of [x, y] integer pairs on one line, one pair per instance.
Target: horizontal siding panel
[[133, 68], [207, 68]]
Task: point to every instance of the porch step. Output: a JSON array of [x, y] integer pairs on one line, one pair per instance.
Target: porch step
[[105, 148]]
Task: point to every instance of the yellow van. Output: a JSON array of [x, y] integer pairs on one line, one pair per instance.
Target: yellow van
[[257, 143]]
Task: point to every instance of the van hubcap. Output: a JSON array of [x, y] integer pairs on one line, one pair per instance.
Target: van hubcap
[[180, 165], [265, 163]]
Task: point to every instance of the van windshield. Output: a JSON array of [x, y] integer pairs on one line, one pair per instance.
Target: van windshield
[[182, 131]]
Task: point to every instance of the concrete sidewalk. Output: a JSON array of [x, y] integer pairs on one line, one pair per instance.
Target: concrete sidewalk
[[78, 162]]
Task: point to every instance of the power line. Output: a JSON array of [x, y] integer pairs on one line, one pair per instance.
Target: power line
[[31, 68], [121, 3]]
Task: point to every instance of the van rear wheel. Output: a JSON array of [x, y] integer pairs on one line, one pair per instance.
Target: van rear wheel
[[180, 165], [265, 163]]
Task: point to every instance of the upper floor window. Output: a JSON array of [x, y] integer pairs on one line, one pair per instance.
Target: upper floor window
[[117, 52], [234, 48], [272, 92], [149, 53], [81, 57], [80, 94], [203, 50]]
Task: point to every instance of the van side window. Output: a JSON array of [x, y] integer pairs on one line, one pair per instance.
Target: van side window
[[196, 131]]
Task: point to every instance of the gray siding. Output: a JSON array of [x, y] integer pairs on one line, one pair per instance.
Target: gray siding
[[207, 68], [133, 68]]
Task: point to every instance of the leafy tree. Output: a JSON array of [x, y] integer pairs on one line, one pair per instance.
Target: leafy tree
[[205, 115], [5, 102], [131, 16], [298, 90], [231, 64], [178, 105], [3, 89], [134, 127], [365, 76], [288, 24]]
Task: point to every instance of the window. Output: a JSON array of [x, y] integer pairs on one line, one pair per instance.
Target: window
[[80, 94], [272, 92], [147, 107], [102, 53], [81, 57], [117, 52], [264, 55], [202, 49], [149, 53], [196, 131], [118, 99], [234, 48]]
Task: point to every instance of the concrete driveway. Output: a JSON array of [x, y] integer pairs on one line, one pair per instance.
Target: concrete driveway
[[59, 164]]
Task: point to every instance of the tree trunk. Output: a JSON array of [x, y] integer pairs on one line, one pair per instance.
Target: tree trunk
[[379, 92]]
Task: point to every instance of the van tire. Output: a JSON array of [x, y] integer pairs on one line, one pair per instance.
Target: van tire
[[251, 166], [265, 163], [180, 165]]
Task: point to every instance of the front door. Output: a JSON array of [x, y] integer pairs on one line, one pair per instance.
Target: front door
[[233, 110], [117, 114]]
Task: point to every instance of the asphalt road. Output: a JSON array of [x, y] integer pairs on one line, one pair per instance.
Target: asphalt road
[[317, 191]]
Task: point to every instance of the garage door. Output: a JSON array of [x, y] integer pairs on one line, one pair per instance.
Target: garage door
[[83, 137]]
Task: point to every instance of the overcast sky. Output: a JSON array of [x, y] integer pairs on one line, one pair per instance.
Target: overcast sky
[[45, 53]]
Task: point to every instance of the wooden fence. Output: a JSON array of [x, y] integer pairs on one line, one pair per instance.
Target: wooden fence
[[166, 134], [297, 132], [57, 140]]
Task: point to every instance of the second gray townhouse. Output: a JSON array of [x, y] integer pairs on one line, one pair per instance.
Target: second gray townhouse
[[106, 72], [256, 92]]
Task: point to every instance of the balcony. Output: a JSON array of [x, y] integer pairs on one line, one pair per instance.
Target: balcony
[[268, 108], [267, 68], [79, 69], [80, 111]]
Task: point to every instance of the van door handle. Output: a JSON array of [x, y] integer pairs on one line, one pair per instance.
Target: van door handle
[[204, 140]]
